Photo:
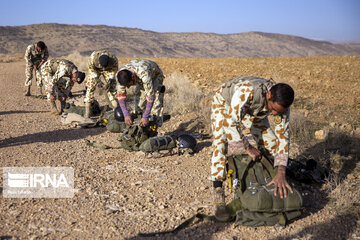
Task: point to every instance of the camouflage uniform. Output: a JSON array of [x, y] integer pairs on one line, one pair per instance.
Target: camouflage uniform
[[239, 106], [149, 85], [57, 77], [34, 57], [96, 71]]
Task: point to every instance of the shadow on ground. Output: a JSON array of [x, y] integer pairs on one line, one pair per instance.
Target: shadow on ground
[[20, 111], [345, 147], [202, 230], [51, 136], [326, 230]]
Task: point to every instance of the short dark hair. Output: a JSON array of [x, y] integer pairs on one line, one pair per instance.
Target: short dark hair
[[283, 94], [124, 77], [41, 45]]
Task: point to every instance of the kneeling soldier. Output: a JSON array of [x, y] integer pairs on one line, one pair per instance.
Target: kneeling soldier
[[101, 63], [148, 79], [244, 103], [60, 76]]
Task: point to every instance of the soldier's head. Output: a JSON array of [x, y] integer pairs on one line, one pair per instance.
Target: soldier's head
[[40, 46], [78, 76], [125, 78], [104, 60], [279, 98]]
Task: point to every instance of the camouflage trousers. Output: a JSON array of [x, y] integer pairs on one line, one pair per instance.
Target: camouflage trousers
[[29, 75], [226, 137], [140, 102], [109, 85]]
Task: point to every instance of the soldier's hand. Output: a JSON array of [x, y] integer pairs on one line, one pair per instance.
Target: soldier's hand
[[254, 153], [52, 98], [63, 99], [128, 120], [144, 122], [280, 182]]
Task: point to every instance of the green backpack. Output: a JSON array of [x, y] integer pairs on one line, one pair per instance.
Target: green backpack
[[134, 135], [158, 143], [254, 203]]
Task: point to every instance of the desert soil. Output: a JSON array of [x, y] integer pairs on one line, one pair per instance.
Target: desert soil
[[121, 193]]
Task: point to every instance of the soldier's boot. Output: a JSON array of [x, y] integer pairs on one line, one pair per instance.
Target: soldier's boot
[[221, 214], [27, 91], [40, 93], [53, 109], [62, 106], [87, 110]]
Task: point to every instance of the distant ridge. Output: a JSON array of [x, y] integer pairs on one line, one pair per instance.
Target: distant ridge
[[63, 39]]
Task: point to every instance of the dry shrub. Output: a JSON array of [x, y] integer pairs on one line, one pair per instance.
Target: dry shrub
[[181, 95], [301, 129], [10, 58], [79, 60], [344, 195]]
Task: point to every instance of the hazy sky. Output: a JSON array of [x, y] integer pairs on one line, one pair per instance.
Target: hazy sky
[[316, 19]]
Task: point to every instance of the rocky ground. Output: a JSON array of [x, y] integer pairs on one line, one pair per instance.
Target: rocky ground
[[119, 194]]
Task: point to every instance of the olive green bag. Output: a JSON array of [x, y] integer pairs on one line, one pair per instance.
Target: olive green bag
[[254, 203], [158, 143], [134, 135]]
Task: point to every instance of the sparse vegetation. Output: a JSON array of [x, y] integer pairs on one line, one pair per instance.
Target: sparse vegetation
[[181, 95]]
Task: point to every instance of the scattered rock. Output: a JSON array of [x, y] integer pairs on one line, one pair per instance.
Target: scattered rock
[[322, 135], [111, 208]]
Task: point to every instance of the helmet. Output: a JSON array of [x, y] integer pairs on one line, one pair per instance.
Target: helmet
[[80, 76], [104, 60], [187, 141], [118, 114]]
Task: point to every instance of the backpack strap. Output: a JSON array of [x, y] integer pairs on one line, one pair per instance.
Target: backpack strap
[[242, 163], [269, 167]]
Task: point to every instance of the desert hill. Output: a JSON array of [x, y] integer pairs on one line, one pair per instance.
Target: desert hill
[[64, 39]]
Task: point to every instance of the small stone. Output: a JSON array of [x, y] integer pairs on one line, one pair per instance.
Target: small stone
[[350, 176], [306, 113], [322, 135], [112, 208]]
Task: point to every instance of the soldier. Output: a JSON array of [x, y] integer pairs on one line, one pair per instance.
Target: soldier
[[101, 63], [35, 56], [244, 103], [59, 77], [148, 78]]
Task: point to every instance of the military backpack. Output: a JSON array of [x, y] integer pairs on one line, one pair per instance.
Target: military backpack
[[254, 203]]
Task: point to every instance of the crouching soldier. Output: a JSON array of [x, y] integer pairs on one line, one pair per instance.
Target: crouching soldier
[[59, 77], [244, 103], [148, 79], [101, 63], [35, 56]]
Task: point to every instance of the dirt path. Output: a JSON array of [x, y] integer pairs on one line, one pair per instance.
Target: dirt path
[[119, 193]]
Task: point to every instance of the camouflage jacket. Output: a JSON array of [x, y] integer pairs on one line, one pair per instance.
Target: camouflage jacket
[[149, 75], [56, 70], [246, 95], [32, 55]]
